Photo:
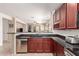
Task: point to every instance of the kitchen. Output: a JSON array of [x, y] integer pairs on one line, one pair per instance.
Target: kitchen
[[50, 29]]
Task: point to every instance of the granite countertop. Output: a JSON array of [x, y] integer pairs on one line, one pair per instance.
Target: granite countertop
[[59, 40], [42, 35], [26, 33]]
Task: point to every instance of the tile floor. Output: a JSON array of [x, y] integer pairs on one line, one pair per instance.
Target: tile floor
[[35, 54]]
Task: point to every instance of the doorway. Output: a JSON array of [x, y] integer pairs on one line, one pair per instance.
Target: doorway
[[29, 28]]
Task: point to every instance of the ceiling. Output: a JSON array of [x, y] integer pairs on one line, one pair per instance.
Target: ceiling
[[29, 11]]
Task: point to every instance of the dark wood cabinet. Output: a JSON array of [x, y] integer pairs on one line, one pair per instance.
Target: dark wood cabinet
[[44, 45], [62, 23], [60, 15], [39, 45], [77, 15], [54, 47], [58, 49], [69, 16], [34, 45], [56, 18], [31, 45]]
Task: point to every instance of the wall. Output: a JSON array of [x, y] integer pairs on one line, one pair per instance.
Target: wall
[[5, 29], [20, 24], [1, 36], [1, 26]]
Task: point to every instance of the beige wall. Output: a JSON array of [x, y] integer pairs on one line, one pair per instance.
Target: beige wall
[[1, 34], [20, 25], [1, 26]]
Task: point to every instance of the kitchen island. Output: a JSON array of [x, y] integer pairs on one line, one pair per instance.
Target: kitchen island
[[43, 43]]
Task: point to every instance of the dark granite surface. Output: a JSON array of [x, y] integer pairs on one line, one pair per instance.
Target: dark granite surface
[[24, 36]]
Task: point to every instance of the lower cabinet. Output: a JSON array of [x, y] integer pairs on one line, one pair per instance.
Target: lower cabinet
[[44, 45], [58, 49], [47, 45], [31, 45], [39, 45]]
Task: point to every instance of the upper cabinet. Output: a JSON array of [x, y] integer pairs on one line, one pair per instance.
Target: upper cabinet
[[78, 15], [68, 16], [62, 24], [56, 18], [72, 15]]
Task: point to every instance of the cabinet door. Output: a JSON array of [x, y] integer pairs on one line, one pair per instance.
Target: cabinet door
[[39, 45], [63, 16], [51, 45], [77, 15], [71, 15], [35, 45], [59, 50], [31, 45], [54, 47], [46, 45]]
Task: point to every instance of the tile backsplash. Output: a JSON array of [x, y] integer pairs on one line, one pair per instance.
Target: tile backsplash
[[71, 32]]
